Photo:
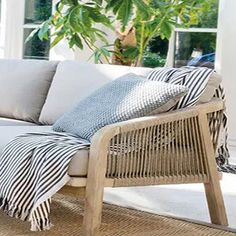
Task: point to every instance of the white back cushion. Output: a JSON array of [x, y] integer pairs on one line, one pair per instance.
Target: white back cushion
[[213, 84], [74, 81], [24, 86]]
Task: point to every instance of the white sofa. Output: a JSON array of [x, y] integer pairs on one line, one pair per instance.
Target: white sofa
[[34, 94]]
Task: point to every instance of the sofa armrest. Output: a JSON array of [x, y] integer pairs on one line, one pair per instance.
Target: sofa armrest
[[155, 148]]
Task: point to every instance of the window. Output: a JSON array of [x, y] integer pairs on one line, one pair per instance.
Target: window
[[196, 46], [36, 11]]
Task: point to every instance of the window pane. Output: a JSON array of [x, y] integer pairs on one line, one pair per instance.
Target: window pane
[[37, 11], [35, 48], [195, 49]]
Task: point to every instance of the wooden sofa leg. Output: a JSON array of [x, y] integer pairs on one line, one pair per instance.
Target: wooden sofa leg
[[95, 187], [212, 188], [93, 211], [215, 203]]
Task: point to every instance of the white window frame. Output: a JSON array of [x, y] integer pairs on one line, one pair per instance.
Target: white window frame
[[172, 41], [12, 28]]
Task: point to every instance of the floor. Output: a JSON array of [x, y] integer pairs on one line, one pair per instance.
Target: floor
[[187, 201], [233, 155]]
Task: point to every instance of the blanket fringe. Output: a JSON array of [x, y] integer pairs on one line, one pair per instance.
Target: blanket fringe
[[12, 210], [40, 224], [41, 154], [16, 212]]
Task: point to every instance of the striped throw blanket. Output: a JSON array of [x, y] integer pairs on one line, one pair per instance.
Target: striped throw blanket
[[33, 167]]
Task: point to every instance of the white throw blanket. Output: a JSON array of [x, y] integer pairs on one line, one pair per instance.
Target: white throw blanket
[[33, 167]]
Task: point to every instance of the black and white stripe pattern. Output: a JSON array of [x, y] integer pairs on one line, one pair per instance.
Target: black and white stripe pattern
[[223, 151], [196, 79], [228, 168], [33, 167]]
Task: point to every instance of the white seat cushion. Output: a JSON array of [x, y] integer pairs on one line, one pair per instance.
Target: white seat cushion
[[74, 81], [13, 122], [79, 163], [24, 87]]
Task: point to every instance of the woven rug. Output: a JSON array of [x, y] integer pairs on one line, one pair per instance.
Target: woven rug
[[67, 214]]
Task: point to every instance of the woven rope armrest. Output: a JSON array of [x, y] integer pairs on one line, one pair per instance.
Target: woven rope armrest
[[171, 148], [158, 149]]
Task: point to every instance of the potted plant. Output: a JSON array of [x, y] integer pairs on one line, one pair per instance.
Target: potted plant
[[80, 21]]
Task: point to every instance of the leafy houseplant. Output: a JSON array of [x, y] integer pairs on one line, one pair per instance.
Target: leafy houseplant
[[79, 21]]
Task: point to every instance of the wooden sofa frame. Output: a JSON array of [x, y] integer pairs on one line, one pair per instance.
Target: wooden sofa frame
[[171, 148]]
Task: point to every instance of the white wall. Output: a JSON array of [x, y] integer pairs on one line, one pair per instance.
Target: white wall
[[226, 59], [12, 28], [62, 52]]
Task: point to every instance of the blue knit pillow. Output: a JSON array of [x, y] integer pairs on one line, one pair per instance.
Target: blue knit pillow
[[130, 96]]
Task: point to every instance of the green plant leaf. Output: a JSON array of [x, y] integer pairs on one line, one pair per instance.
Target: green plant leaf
[[78, 41], [143, 8], [75, 41], [125, 13], [77, 21], [97, 55], [72, 2], [96, 15], [105, 51], [131, 52], [74, 20], [102, 37], [31, 35], [166, 29], [56, 40], [113, 5], [98, 2], [43, 32], [59, 7], [123, 10]]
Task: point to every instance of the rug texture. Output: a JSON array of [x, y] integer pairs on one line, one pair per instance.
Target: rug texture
[[67, 215]]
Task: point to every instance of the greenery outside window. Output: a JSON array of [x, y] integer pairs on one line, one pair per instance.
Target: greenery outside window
[[36, 11], [196, 46]]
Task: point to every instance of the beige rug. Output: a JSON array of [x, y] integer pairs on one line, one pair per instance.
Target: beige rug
[[67, 214]]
